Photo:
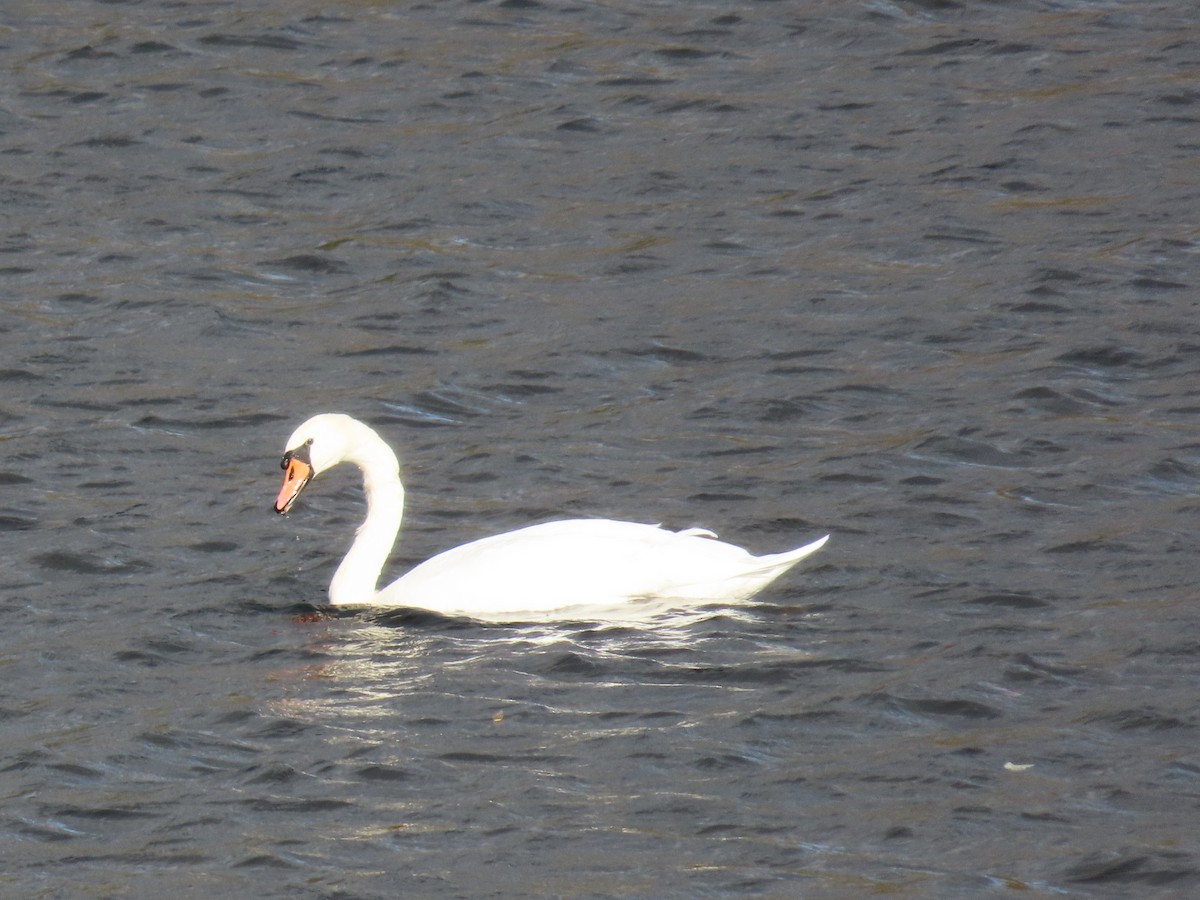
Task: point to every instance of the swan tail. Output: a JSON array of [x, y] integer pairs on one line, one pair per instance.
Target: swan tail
[[789, 558], [772, 565], [745, 577]]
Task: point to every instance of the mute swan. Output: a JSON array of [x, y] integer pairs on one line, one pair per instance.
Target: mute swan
[[555, 569]]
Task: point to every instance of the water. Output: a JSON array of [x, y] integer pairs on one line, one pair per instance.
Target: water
[[922, 275]]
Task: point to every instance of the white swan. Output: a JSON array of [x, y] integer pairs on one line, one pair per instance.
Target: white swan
[[557, 569]]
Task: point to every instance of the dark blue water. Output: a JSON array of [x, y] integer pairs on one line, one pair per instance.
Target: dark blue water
[[919, 274]]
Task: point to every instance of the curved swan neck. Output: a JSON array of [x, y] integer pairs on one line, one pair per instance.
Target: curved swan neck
[[356, 577]]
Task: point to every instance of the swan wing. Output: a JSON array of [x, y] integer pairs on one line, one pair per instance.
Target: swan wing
[[585, 563]]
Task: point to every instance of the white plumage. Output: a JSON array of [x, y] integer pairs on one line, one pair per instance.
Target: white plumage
[[563, 569]]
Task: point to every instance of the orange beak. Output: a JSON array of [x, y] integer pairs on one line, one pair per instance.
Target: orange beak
[[296, 474]]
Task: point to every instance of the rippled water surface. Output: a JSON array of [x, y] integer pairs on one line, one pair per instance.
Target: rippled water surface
[[920, 274]]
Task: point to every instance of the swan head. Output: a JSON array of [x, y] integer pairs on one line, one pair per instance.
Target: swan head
[[320, 443]]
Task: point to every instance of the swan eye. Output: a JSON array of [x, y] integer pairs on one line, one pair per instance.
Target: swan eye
[[300, 454]]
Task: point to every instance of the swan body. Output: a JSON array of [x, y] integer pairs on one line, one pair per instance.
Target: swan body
[[557, 568]]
